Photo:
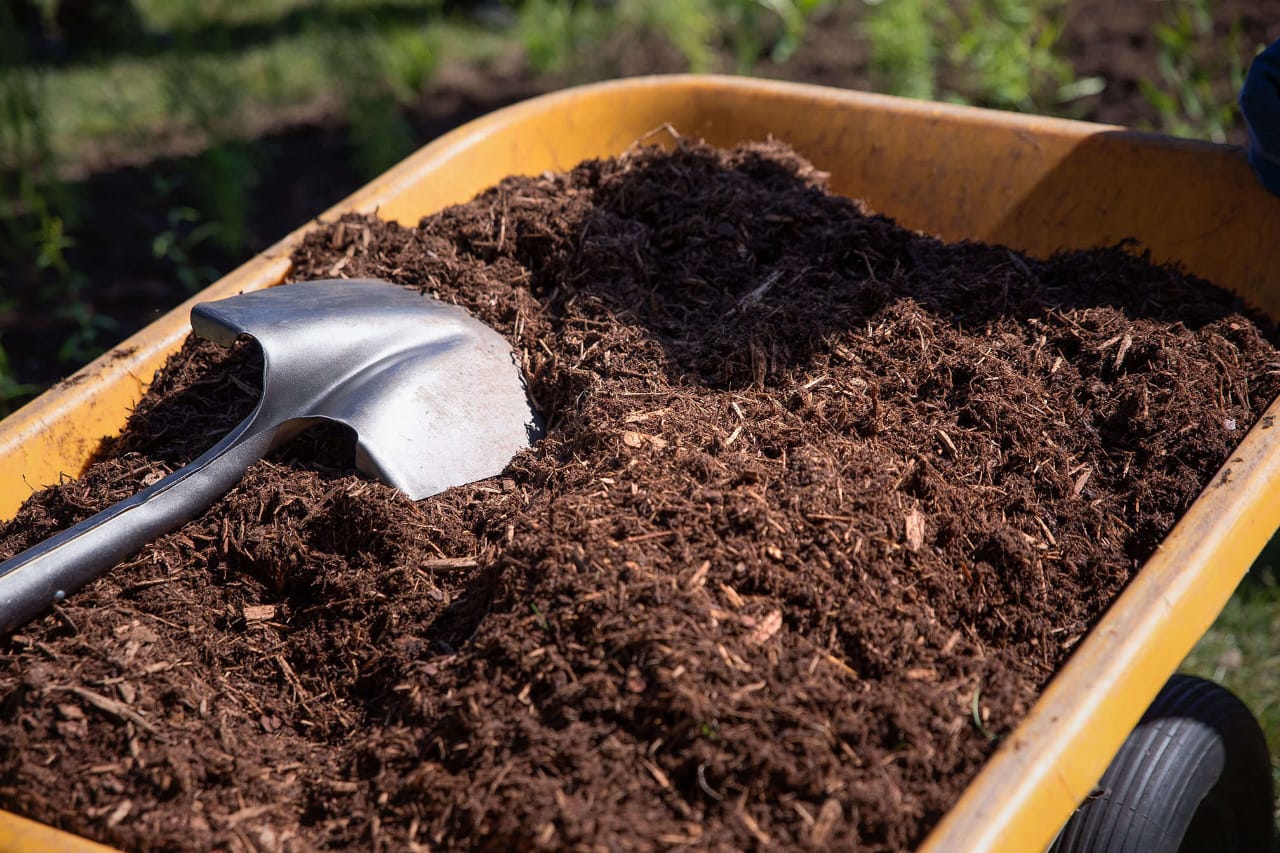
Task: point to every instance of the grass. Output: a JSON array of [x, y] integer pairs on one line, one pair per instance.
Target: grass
[[203, 88], [556, 34], [994, 53], [1195, 93], [219, 75], [205, 77], [1241, 650]]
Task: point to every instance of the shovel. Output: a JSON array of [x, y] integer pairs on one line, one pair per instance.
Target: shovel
[[435, 397]]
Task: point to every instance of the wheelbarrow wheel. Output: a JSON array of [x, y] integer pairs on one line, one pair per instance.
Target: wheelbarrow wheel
[[1194, 775]]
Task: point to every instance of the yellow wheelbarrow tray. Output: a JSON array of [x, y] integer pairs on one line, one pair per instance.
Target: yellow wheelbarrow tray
[[1032, 183]]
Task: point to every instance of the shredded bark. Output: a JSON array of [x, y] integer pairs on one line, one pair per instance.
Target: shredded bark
[[821, 507]]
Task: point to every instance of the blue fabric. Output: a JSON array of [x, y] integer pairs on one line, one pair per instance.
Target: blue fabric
[[1260, 103]]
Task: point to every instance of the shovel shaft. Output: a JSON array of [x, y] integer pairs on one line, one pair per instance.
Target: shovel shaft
[[44, 574]]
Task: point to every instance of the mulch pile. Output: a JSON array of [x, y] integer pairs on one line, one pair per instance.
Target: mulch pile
[[821, 507]]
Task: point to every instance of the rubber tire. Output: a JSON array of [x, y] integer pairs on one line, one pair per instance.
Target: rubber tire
[[1194, 775]]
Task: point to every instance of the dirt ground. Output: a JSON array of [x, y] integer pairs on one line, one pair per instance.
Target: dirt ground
[[821, 506]]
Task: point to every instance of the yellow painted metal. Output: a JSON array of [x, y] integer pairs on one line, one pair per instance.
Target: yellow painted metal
[[1033, 183], [19, 835]]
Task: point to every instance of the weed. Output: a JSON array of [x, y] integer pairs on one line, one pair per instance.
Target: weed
[[12, 392], [409, 58], [192, 239], [751, 29], [382, 76], [997, 53], [551, 31], [200, 93], [51, 244], [89, 329], [379, 134], [754, 28], [690, 27], [1006, 49], [1196, 93], [904, 49], [795, 15], [37, 221], [554, 32], [223, 178], [178, 243]]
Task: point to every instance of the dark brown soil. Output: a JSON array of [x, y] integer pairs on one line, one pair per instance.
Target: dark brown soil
[[814, 487]]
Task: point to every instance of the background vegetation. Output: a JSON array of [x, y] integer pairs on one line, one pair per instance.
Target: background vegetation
[[147, 147]]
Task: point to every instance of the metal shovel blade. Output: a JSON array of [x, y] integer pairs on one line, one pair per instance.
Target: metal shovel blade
[[434, 396]]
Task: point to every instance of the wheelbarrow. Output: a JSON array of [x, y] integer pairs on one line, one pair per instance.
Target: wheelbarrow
[[1035, 184]]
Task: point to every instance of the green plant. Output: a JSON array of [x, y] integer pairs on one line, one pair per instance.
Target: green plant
[[222, 179], [1005, 49], [12, 392], [1195, 95], [209, 203], [88, 329], [37, 220], [379, 134], [795, 15], [755, 28], [552, 31], [904, 48], [200, 93], [409, 58], [178, 244], [382, 76], [691, 27], [997, 53]]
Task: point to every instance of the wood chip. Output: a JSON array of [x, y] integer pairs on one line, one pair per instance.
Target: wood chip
[[1125, 343], [735, 600], [767, 628], [259, 612], [699, 576], [946, 439], [641, 417], [829, 818], [449, 564], [120, 813], [914, 523], [249, 813], [656, 772], [838, 664], [634, 439], [113, 708], [738, 695], [754, 828]]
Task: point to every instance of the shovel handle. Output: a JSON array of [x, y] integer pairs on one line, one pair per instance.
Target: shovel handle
[[44, 574]]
